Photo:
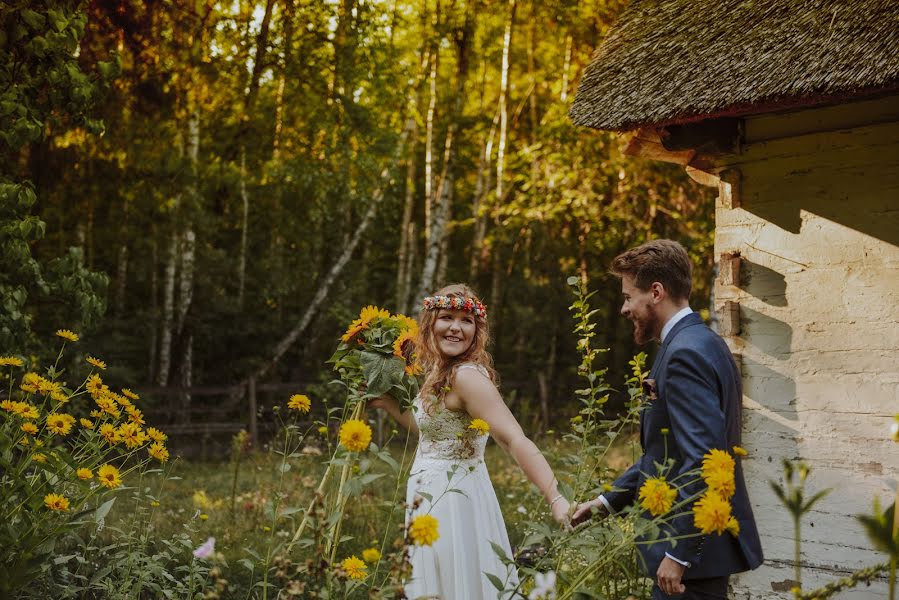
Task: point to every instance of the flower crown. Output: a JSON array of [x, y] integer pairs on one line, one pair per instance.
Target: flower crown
[[455, 302]]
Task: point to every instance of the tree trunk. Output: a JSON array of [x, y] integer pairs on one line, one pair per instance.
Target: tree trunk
[[168, 311], [566, 66], [282, 79], [429, 131], [482, 188], [244, 218], [407, 240], [503, 104], [154, 307], [447, 179]]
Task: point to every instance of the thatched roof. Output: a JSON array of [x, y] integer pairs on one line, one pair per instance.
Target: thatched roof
[[676, 61]]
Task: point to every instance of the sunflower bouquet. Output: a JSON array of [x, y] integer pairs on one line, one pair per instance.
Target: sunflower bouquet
[[376, 356]]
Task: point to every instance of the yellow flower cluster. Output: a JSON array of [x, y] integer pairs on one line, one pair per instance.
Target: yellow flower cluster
[[712, 512], [657, 496], [300, 402], [424, 530], [355, 568], [480, 426], [355, 435], [22, 409]]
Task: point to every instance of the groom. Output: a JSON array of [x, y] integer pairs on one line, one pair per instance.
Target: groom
[[695, 397]]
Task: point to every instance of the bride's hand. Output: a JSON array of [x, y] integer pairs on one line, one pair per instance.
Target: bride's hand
[[560, 510], [379, 402]]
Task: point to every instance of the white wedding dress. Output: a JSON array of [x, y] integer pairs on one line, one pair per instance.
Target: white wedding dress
[[449, 469]]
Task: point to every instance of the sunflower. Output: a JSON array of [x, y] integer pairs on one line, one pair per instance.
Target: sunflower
[[109, 476], [355, 435], [56, 502], [67, 335], [424, 530], [404, 344], [370, 313], [407, 323], [10, 361], [300, 402], [355, 327], [414, 369], [657, 496], [355, 568], [59, 423], [712, 513]]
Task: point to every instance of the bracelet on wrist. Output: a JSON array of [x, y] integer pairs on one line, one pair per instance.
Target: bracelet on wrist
[[555, 499]]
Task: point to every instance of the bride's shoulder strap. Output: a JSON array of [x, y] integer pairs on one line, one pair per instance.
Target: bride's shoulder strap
[[480, 368]]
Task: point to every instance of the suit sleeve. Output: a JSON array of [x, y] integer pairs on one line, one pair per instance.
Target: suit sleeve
[[697, 426], [625, 488]]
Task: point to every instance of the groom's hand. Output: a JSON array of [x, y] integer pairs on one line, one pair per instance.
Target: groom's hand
[[585, 510], [669, 576]]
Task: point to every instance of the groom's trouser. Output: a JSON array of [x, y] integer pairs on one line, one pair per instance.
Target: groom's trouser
[[713, 588]]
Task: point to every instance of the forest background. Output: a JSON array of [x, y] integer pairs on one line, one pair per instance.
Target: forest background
[[209, 192]]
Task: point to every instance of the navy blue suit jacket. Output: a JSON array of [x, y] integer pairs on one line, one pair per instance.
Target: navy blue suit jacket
[[698, 399]]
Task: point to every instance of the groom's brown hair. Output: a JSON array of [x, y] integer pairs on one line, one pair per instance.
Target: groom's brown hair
[[664, 261]]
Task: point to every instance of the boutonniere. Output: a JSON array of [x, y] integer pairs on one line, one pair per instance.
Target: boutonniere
[[650, 390]]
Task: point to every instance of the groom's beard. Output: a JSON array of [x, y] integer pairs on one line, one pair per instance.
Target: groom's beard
[[645, 327]]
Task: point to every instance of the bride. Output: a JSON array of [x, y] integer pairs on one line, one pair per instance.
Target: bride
[[458, 404]]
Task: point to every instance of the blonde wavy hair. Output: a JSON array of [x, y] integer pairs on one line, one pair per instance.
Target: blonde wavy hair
[[440, 370]]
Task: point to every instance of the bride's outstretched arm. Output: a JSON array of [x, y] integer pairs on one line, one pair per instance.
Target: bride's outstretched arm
[[403, 417], [482, 401]]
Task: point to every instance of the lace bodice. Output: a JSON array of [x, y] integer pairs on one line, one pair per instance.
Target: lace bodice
[[445, 433]]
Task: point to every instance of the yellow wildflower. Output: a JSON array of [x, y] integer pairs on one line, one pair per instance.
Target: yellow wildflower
[[56, 502], [712, 513], [130, 394], [132, 435], [97, 414], [154, 503], [9, 406], [39, 457], [110, 433], [355, 435], [733, 526], [95, 385], [29, 411], [86, 423], [159, 452], [423, 530], [657, 496], [96, 362], [84, 473], [480, 425], [203, 500], [156, 435], [10, 361], [371, 555], [29, 427], [31, 382], [323, 430], [67, 335], [107, 404], [718, 472], [354, 567], [135, 415], [109, 476], [300, 402], [45, 387], [204, 517], [59, 396], [60, 423], [740, 451]]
